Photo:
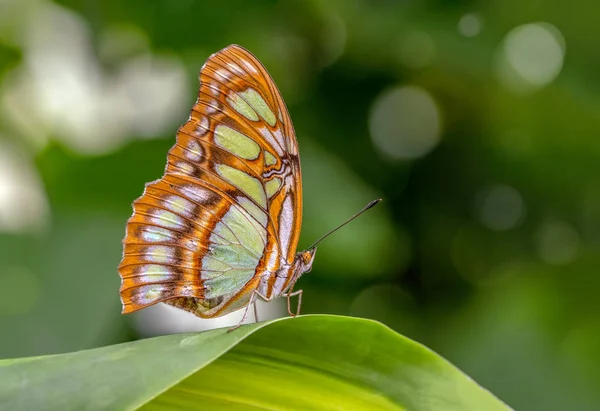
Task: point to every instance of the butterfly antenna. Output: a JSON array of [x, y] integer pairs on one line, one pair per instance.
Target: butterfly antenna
[[365, 208]]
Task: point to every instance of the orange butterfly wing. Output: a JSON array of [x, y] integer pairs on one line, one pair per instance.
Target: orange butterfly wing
[[226, 215]]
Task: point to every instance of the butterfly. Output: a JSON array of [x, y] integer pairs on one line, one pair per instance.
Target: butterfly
[[221, 227]]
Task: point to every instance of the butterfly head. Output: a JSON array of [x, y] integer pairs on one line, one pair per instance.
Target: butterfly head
[[306, 259], [303, 263]]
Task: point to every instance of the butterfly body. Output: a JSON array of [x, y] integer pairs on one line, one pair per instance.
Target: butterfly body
[[222, 225]]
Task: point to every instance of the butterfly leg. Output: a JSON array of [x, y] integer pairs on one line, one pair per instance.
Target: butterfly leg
[[289, 296], [255, 312], [262, 297], [252, 301]]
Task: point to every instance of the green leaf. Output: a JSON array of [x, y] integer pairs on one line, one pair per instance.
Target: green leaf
[[315, 362]]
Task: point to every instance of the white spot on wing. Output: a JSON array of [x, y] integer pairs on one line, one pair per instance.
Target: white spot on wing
[[281, 139], [235, 68], [160, 254], [179, 205], [286, 222], [185, 291], [214, 89], [148, 293], [185, 168], [194, 151], [211, 107], [196, 193], [224, 74], [271, 262], [202, 128], [249, 66], [155, 273], [266, 133], [164, 218], [156, 235]]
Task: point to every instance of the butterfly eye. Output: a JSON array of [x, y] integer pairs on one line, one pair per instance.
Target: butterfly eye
[[307, 256]]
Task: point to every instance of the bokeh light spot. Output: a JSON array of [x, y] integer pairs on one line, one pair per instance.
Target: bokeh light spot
[[23, 203], [558, 243], [405, 123], [531, 56], [61, 91], [500, 208], [470, 24]]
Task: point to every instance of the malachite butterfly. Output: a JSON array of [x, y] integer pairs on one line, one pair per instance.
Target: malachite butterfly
[[221, 227]]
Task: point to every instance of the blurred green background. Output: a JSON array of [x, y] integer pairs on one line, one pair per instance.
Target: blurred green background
[[478, 122]]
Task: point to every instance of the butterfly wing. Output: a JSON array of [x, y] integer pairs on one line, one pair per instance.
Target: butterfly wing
[[227, 213]]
